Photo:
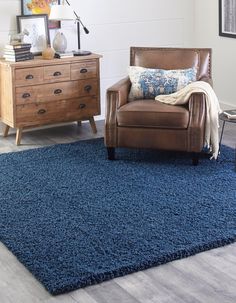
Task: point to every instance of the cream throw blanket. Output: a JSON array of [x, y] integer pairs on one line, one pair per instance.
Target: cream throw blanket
[[212, 106]]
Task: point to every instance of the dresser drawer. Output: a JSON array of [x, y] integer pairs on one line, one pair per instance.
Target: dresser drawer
[[58, 111], [47, 92], [84, 70], [87, 87], [28, 76], [60, 72]]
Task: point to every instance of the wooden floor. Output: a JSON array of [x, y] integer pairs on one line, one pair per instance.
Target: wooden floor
[[208, 277]]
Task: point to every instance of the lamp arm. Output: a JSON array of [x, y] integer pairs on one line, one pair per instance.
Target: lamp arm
[[79, 20], [84, 27]]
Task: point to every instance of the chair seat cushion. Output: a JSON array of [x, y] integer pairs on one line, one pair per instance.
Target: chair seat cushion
[[151, 113]]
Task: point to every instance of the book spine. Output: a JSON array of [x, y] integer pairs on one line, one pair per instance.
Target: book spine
[[231, 114], [17, 55], [18, 46], [17, 51], [18, 60], [63, 56], [23, 58]]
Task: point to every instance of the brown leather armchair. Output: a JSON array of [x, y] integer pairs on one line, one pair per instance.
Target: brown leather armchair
[[152, 124]]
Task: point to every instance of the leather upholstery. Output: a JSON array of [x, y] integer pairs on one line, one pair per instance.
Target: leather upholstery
[[151, 113], [149, 123]]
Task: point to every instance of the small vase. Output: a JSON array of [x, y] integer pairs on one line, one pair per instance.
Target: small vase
[[48, 53], [59, 42]]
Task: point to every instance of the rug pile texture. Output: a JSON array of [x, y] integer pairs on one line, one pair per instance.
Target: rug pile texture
[[73, 218]]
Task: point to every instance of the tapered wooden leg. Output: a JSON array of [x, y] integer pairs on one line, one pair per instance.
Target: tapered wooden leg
[[6, 130], [18, 135], [93, 125]]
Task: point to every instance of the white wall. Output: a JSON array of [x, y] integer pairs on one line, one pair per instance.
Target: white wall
[[224, 49], [8, 11]]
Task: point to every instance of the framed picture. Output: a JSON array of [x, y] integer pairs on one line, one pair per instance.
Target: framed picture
[[37, 28], [35, 7], [227, 18]]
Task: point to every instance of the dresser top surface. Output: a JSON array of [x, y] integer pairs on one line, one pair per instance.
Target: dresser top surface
[[38, 61]]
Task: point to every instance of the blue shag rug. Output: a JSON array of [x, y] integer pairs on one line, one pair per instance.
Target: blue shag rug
[[74, 218]]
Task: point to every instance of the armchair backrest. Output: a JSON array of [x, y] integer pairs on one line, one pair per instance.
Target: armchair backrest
[[173, 58]]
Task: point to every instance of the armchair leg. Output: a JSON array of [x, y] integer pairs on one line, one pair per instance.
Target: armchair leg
[[111, 153], [195, 159]]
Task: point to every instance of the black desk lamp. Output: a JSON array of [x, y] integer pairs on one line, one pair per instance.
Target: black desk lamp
[[62, 12]]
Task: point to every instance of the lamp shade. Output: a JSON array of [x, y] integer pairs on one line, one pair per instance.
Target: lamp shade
[[61, 12]]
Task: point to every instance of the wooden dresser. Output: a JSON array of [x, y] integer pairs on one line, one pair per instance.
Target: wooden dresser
[[39, 92]]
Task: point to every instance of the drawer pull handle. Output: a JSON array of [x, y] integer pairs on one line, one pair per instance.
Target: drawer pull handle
[[83, 70], [56, 74], [82, 105], [57, 91], [87, 88], [26, 95], [41, 111], [29, 77]]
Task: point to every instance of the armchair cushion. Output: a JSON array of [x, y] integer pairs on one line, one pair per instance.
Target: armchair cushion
[[153, 114], [147, 83]]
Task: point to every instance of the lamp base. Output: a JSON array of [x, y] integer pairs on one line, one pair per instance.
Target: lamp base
[[81, 53]]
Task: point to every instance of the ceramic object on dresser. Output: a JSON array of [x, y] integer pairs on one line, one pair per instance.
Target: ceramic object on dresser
[[59, 42], [48, 53]]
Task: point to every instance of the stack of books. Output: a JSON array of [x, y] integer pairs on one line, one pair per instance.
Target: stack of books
[[230, 114], [18, 52], [63, 55]]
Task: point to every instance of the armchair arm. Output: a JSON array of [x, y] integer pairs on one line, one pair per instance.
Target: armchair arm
[[117, 95], [121, 89], [196, 128]]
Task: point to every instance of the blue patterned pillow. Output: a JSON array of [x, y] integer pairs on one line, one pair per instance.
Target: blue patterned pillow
[[147, 83]]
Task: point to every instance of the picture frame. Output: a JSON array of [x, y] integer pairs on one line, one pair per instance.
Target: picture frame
[[37, 26], [35, 7], [227, 18]]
